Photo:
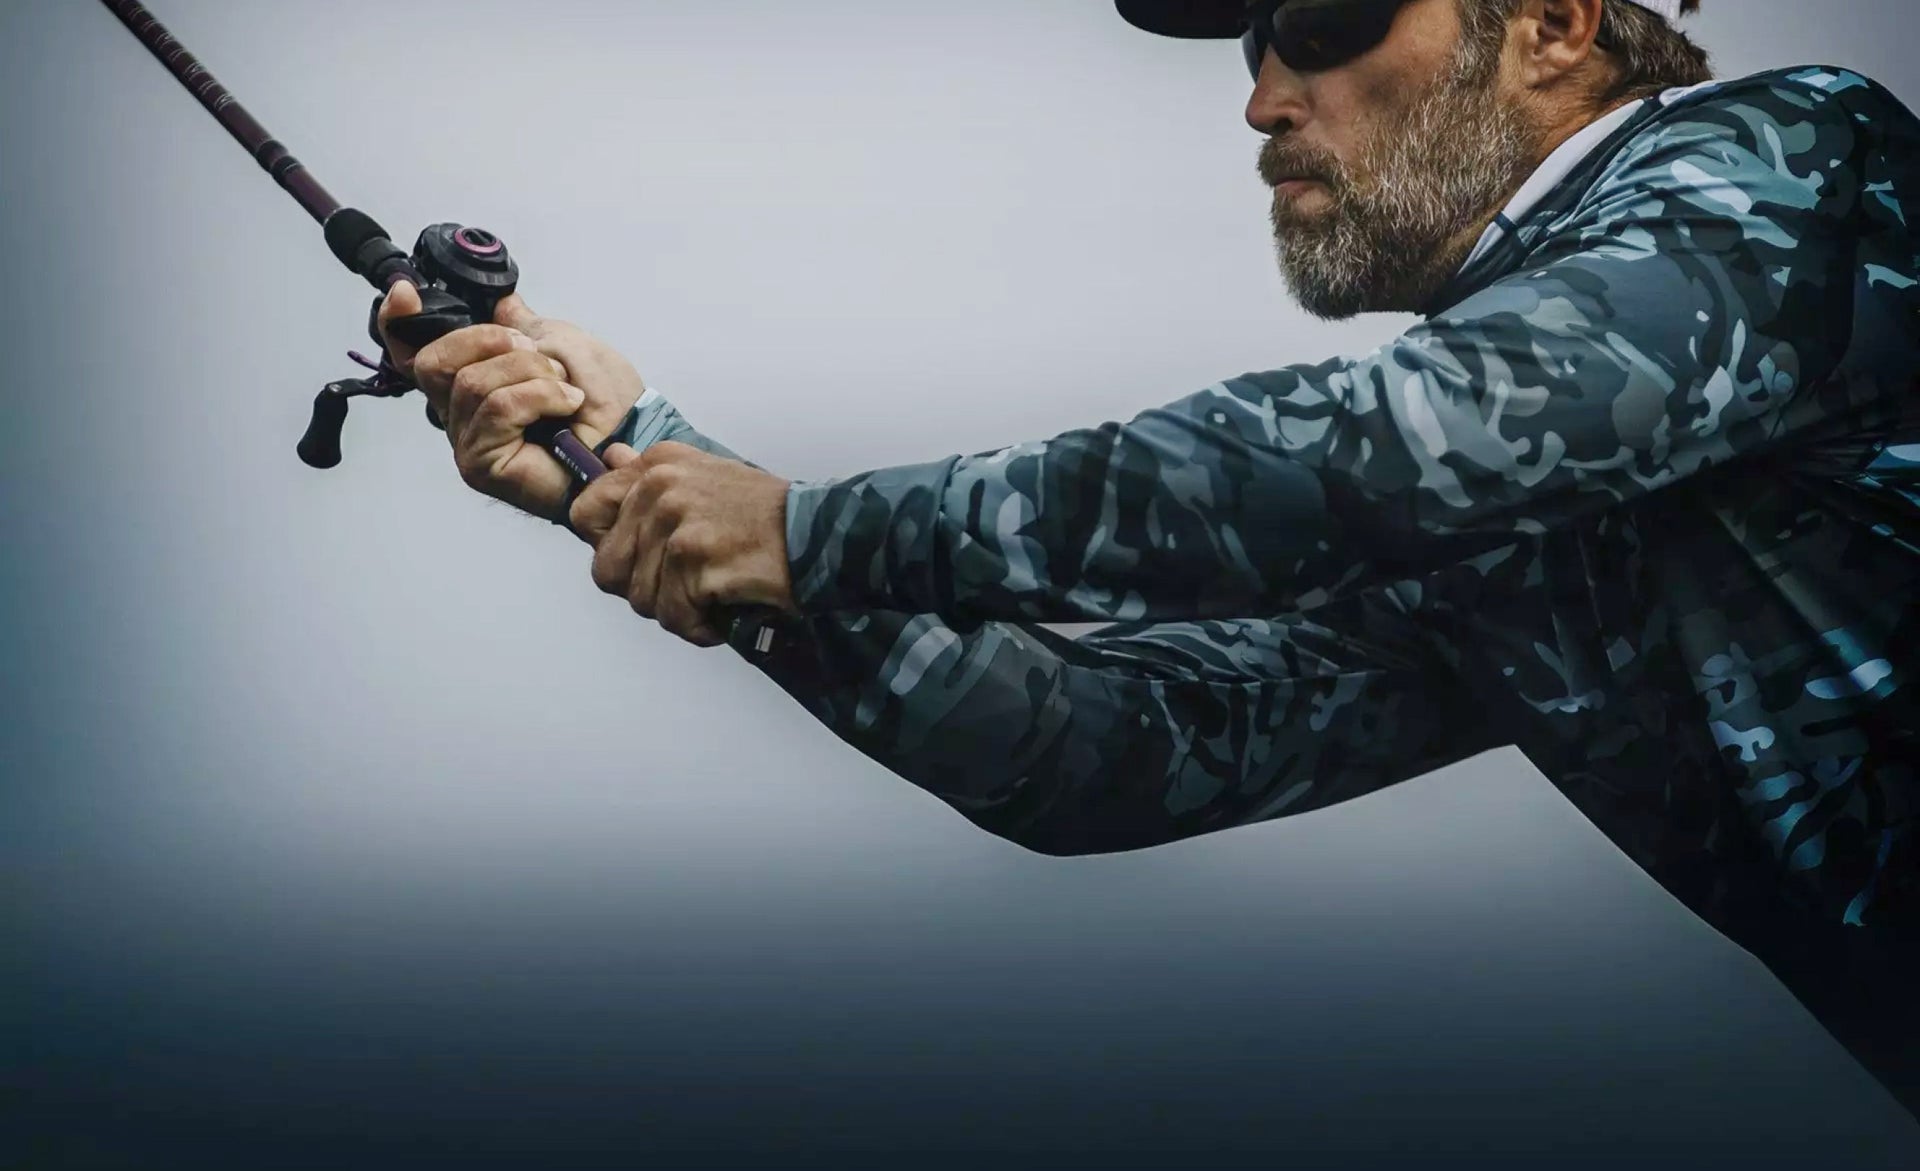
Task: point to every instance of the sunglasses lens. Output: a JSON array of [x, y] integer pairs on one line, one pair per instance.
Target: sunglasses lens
[[1311, 37]]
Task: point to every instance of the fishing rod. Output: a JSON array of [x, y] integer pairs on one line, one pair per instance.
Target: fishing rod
[[461, 272]]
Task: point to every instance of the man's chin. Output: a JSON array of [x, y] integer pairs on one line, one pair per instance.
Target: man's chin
[[1335, 291], [1327, 307], [1330, 286]]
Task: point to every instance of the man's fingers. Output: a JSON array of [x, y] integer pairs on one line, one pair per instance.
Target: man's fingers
[[598, 505], [692, 533], [503, 414], [435, 366], [681, 601], [679, 612], [648, 539], [614, 556], [626, 562], [472, 384]]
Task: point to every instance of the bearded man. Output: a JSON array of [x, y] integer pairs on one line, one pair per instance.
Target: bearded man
[[1640, 493]]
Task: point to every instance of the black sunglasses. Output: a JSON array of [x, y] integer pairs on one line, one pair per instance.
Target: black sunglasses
[[1311, 35]]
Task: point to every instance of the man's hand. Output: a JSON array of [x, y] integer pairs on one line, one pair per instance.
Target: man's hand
[[490, 382], [680, 534]]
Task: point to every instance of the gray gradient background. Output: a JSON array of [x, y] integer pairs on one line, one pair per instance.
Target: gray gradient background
[[343, 822]]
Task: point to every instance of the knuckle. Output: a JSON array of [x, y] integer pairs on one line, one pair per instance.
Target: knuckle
[[431, 362], [532, 364], [711, 586], [634, 499], [467, 382], [662, 478], [585, 515], [492, 339], [485, 413], [688, 542], [473, 472], [614, 488], [496, 404], [641, 602]]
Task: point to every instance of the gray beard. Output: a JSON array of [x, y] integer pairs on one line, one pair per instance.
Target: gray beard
[[1402, 215]]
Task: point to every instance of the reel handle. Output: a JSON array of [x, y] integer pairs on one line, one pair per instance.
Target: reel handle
[[320, 446]]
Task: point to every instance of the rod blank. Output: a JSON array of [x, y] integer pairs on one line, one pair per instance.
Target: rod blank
[[267, 150]]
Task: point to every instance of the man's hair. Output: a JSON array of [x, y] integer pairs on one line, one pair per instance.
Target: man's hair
[[1648, 53]]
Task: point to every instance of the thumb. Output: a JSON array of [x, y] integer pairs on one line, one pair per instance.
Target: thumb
[[402, 300], [513, 313], [596, 510]]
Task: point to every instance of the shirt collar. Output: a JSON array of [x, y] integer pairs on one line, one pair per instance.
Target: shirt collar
[[1549, 175]]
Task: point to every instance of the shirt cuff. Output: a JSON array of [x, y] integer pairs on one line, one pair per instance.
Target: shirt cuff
[[646, 422]]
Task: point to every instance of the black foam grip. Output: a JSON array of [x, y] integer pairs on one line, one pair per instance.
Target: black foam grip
[[348, 231]]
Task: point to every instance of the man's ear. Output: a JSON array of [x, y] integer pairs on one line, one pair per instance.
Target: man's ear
[[1555, 39]]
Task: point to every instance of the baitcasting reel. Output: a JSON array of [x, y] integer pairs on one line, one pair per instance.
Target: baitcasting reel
[[464, 273]]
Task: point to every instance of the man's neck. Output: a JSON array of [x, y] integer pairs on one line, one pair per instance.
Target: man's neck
[[1459, 249]]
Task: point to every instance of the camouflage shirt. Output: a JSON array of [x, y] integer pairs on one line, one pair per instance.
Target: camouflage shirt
[[1640, 494]]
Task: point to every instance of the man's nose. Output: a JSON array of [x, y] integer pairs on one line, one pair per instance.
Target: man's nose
[[1279, 101]]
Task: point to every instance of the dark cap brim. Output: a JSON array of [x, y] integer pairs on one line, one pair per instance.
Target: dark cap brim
[[1195, 19]]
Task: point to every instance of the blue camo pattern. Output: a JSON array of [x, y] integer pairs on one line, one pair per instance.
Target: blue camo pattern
[[1641, 495]]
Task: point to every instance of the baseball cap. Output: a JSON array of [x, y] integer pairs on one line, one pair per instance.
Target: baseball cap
[[1208, 19]]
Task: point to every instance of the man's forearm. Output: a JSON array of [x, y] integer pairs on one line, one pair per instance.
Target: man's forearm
[[1121, 740], [1128, 738]]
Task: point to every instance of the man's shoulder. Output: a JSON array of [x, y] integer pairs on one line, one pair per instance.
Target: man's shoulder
[[1798, 95], [1775, 139]]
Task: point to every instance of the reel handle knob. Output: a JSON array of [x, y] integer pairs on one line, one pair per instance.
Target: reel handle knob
[[320, 446]]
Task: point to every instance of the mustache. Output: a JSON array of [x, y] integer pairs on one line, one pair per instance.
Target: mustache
[[1282, 159]]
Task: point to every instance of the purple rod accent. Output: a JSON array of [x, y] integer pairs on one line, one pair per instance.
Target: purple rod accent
[[579, 460], [266, 150]]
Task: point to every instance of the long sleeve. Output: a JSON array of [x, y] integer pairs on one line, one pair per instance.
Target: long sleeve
[[1689, 311], [1134, 736], [1129, 737]]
